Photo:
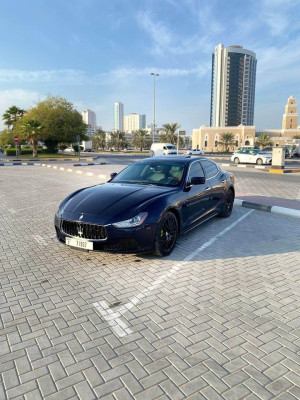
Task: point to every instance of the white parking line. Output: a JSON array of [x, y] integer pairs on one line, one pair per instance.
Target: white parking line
[[113, 317]]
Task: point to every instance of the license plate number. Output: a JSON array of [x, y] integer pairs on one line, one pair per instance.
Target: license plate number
[[80, 243]]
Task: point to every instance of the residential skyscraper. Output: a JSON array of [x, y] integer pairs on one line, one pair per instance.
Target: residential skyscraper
[[89, 117], [118, 116], [232, 86], [134, 122]]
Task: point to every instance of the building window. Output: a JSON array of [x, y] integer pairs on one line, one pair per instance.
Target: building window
[[247, 143], [205, 143], [236, 143], [216, 143]]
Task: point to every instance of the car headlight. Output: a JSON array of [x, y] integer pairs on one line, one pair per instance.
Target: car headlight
[[58, 214], [132, 222]]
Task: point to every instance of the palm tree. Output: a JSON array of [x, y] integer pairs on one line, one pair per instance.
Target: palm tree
[[264, 140], [12, 115], [169, 134], [118, 139], [140, 140], [99, 139], [226, 140], [32, 130]]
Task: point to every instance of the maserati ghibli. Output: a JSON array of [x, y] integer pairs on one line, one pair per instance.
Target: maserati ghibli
[[146, 206]]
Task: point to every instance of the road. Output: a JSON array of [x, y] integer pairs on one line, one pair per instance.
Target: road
[[218, 318]]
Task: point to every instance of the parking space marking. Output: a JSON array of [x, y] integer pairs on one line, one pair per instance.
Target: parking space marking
[[113, 317], [40, 240]]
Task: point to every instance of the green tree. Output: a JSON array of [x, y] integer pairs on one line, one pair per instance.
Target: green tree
[[31, 131], [118, 140], [99, 139], [264, 140], [226, 140], [12, 115], [169, 135], [61, 122], [140, 139], [7, 138], [296, 137]]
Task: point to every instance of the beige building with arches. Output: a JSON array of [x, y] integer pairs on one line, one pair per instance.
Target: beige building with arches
[[207, 137]]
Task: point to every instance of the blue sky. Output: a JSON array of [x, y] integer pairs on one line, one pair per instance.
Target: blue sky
[[97, 52]]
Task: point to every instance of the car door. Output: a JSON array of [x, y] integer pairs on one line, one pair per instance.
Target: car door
[[245, 156], [197, 204], [218, 188]]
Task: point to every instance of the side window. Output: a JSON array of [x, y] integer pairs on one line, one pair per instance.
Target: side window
[[195, 170], [210, 169]]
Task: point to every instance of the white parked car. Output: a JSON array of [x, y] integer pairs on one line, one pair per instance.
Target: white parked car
[[251, 156], [195, 152]]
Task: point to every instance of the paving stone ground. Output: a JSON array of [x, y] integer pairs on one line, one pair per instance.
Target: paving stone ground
[[222, 325]]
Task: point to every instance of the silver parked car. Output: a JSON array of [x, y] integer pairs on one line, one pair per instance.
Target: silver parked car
[[251, 156]]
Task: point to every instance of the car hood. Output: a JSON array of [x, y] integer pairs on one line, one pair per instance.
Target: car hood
[[112, 199]]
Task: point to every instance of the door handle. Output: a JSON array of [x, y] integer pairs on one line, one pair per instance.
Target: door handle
[[208, 188]]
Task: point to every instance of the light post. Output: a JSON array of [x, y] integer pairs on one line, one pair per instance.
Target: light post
[[154, 76]]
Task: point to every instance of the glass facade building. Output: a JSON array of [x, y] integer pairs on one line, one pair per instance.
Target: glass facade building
[[232, 86], [119, 116]]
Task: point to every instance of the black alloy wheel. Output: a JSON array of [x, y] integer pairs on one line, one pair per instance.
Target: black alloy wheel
[[228, 205], [166, 235]]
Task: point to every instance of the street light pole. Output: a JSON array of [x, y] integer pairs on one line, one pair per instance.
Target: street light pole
[[154, 76]]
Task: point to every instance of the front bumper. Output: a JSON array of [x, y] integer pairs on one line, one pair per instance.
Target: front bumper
[[129, 240]]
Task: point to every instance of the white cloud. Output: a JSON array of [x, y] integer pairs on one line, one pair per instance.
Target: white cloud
[[279, 65], [65, 76], [166, 41], [77, 77], [276, 14]]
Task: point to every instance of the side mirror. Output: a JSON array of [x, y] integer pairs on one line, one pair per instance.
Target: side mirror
[[197, 180], [113, 174]]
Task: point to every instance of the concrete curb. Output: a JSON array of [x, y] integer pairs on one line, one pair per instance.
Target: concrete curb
[[85, 164], [244, 166], [284, 171], [47, 159], [9, 164], [273, 209]]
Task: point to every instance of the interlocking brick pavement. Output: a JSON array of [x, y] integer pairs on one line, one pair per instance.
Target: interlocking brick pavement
[[226, 325]]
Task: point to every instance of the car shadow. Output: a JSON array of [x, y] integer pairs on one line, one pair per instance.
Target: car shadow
[[259, 233]]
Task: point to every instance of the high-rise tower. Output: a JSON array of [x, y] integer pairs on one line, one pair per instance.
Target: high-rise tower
[[89, 117], [119, 116], [232, 86]]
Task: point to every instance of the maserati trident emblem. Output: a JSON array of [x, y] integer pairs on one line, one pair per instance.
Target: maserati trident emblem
[[79, 231]]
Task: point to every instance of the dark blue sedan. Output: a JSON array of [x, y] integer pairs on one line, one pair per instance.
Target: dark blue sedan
[[146, 206]]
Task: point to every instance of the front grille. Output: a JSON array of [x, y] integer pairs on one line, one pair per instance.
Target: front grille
[[83, 230]]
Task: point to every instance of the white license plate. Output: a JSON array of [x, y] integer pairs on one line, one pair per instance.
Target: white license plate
[[80, 243]]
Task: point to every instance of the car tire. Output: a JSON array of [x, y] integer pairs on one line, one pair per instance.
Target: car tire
[[166, 235], [236, 160], [228, 205], [259, 161]]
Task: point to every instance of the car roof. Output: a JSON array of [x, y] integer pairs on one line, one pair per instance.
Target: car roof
[[182, 159]]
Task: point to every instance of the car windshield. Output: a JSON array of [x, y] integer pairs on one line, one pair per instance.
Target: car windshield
[[171, 147], [152, 173]]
